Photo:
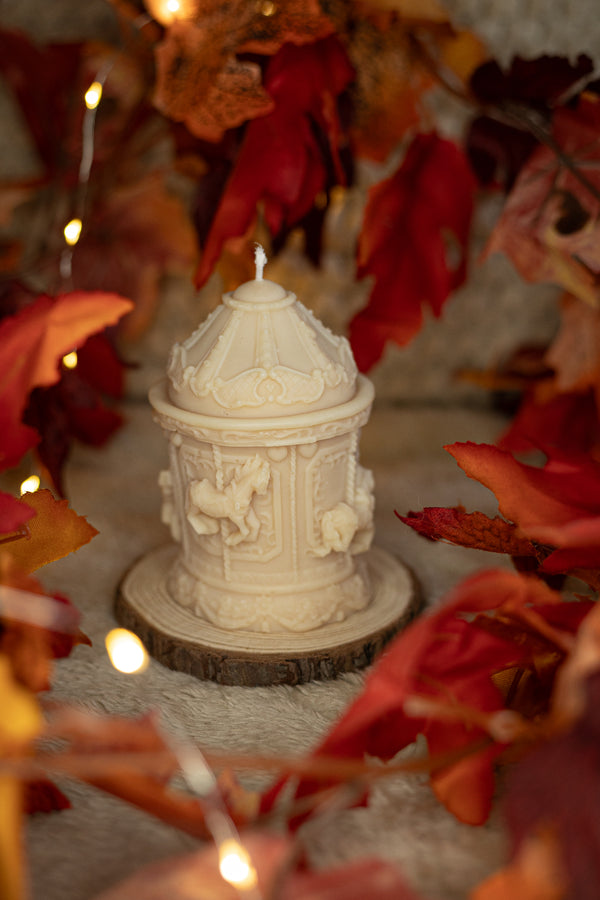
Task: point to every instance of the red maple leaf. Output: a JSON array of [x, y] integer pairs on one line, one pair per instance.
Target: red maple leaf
[[447, 656], [556, 786], [560, 386], [281, 162], [41, 79], [33, 343], [78, 407], [558, 504], [44, 796], [13, 513], [566, 421], [414, 223], [475, 530], [549, 225]]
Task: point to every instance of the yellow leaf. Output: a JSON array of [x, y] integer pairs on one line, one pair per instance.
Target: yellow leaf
[[20, 717], [462, 52], [20, 722], [54, 532]]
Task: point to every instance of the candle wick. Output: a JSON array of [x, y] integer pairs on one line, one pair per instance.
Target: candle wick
[[260, 261]]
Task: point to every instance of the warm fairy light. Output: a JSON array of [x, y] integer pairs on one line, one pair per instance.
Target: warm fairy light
[[126, 651], [72, 231], [168, 11], [69, 361], [93, 95], [30, 485], [235, 865], [267, 8]]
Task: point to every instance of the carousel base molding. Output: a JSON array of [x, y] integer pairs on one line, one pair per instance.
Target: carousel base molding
[[145, 606]]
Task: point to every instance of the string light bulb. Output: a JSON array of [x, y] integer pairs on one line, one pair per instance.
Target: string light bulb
[[93, 95], [70, 360], [168, 11], [235, 866], [128, 655], [72, 231], [30, 485], [126, 651]]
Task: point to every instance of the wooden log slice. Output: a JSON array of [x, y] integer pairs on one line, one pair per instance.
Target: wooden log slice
[[180, 640]]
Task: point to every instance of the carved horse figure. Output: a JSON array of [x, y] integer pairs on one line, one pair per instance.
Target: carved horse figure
[[207, 504]]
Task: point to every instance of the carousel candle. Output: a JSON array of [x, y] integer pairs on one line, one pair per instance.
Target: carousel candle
[[270, 511], [264, 492]]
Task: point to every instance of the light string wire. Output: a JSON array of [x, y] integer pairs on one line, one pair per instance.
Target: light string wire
[[200, 779], [74, 227], [234, 861], [85, 167]]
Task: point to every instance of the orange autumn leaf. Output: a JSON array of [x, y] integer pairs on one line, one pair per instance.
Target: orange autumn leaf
[[466, 787], [203, 86], [200, 79], [389, 84], [535, 873], [400, 49], [55, 531], [113, 738], [52, 327], [24, 643], [36, 627]]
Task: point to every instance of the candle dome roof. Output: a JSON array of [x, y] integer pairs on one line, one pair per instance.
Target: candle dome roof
[[261, 353]]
